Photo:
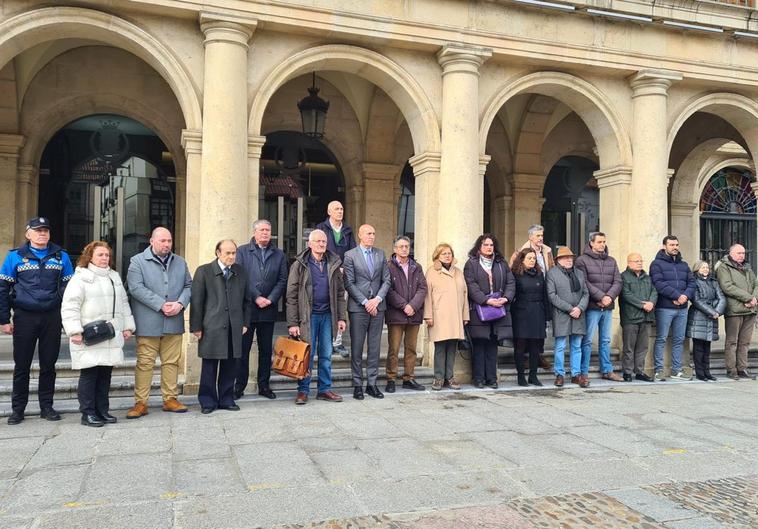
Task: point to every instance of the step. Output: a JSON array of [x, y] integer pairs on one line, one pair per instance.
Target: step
[[65, 388], [63, 369]]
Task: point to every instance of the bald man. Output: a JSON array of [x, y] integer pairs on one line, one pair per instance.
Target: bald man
[[367, 281], [159, 291], [637, 305]]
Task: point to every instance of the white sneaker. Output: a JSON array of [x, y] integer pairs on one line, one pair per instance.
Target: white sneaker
[[659, 377], [679, 375]]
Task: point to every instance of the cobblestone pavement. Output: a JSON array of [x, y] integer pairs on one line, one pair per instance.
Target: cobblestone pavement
[[617, 456]]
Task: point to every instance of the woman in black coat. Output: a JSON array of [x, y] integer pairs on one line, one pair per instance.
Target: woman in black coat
[[531, 312], [707, 306], [487, 273]]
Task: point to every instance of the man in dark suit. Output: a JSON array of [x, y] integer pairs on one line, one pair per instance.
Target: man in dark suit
[[219, 314], [265, 266], [367, 281]]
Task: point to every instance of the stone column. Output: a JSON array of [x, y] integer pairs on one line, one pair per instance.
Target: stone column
[[379, 195], [649, 187], [10, 145], [685, 224], [502, 223], [460, 184], [527, 204], [254, 147], [224, 183], [27, 186], [354, 208]]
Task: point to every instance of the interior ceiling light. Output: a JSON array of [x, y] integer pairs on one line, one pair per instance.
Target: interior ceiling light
[[614, 14], [746, 34]]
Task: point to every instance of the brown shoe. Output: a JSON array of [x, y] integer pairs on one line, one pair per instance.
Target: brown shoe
[[612, 376], [139, 409], [558, 381], [584, 382], [331, 396], [174, 406], [577, 379], [544, 364], [302, 398], [454, 384]]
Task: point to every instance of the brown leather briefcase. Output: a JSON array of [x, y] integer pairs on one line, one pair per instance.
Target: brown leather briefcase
[[291, 357]]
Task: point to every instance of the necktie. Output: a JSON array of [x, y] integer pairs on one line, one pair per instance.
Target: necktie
[[369, 262], [226, 273]]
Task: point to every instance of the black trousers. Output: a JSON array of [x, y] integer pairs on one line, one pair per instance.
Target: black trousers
[[701, 354], [484, 360], [217, 380], [264, 330], [531, 346], [30, 330], [93, 388]]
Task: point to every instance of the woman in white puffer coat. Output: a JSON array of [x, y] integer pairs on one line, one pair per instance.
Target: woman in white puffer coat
[[89, 297]]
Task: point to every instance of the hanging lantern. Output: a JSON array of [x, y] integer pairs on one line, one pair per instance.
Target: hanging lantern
[[313, 111]]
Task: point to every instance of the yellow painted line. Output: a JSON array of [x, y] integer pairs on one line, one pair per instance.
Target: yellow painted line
[[671, 451], [264, 486], [170, 495]]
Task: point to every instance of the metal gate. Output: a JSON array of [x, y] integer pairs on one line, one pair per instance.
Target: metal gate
[[719, 231]]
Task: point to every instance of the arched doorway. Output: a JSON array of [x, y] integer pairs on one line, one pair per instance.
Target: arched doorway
[[299, 176], [107, 177], [572, 203], [728, 215]]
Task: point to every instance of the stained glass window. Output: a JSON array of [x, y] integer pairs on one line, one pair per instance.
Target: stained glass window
[[729, 191]]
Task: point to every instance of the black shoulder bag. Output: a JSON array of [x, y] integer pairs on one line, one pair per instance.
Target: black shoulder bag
[[99, 331]]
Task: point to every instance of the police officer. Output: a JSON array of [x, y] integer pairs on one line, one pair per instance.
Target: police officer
[[32, 280]]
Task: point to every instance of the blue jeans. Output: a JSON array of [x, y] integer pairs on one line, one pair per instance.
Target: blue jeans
[[321, 344], [676, 320], [602, 320], [575, 342]]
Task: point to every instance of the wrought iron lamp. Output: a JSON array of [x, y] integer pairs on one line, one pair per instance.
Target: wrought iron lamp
[[313, 111]]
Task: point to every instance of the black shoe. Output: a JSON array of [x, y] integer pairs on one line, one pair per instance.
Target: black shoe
[[478, 384], [358, 393], [492, 384], [267, 393], [238, 394], [711, 377], [534, 381], [412, 384], [206, 411], [342, 351], [627, 377], [107, 418], [643, 377], [390, 388], [521, 380], [743, 374], [702, 378], [92, 420], [15, 418], [373, 391], [233, 407], [50, 414]]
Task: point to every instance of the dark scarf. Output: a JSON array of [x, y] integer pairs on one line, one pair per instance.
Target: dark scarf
[[575, 285], [737, 265], [446, 266]]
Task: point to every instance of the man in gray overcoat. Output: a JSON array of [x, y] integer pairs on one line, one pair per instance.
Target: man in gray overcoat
[[218, 318], [159, 289], [567, 292]]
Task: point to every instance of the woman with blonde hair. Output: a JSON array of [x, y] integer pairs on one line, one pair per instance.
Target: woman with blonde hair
[[97, 319], [445, 313]]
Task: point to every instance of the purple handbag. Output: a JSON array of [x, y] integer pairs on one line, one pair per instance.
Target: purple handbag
[[488, 312]]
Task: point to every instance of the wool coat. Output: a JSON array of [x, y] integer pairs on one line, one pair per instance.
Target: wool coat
[[89, 297], [602, 276], [405, 291], [478, 284], [531, 309], [299, 299], [708, 301], [267, 278], [446, 302], [671, 277], [151, 285], [636, 290], [563, 299], [739, 285], [219, 306]]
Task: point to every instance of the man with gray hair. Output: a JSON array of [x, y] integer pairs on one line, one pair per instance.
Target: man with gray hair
[[266, 268], [738, 282], [536, 241]]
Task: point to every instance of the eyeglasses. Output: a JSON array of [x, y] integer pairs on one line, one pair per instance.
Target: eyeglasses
[[636, 261]]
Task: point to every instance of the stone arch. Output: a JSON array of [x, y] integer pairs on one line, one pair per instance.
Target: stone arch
[[397, 83], [594, 107], [739, 111], [30, 28]]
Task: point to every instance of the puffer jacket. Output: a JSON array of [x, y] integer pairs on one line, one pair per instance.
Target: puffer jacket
[[402, 292], [89, 297], [739, 286], [708, 301], [671, 277], [602, 275]]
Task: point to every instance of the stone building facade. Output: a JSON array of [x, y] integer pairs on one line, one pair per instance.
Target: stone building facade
[[446, 118]]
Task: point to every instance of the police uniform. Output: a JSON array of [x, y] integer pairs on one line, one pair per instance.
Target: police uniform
[[31, 284]]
